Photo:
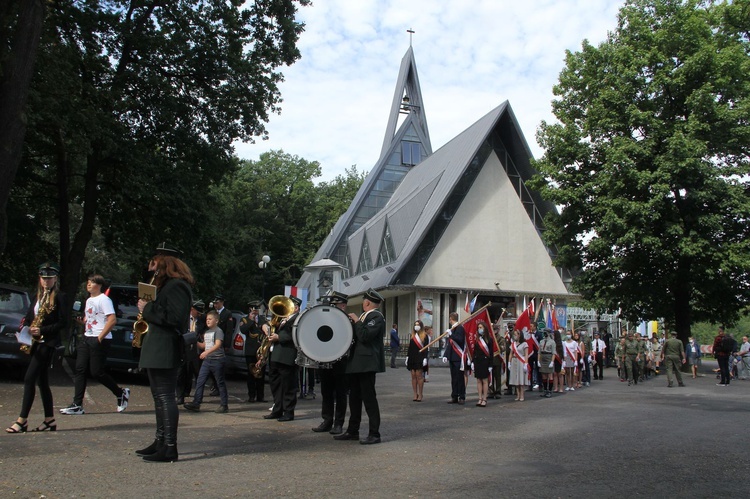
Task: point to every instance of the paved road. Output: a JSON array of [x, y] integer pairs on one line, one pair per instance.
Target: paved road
[[606, 440]]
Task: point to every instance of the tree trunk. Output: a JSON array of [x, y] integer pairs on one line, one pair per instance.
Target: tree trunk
[[682, 308], [15, 79]]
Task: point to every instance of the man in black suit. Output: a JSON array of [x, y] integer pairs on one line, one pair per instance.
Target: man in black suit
[[333, 385], [367, 358], [454, 355], [191, 363], [253, 336], [282, 374]]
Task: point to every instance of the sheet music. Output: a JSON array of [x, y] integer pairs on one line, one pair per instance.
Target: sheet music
[[146, 291], [24, 336]]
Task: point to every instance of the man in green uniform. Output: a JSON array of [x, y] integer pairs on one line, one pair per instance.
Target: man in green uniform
[[673, 354], [632, 356], [366, 358]]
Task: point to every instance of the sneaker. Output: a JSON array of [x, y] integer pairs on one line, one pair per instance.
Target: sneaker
[[222, 409], [572, 389], [567, 388], [122, 400], [73, 410]]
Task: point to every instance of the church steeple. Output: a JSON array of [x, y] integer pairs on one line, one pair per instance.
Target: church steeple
[[407, 101]]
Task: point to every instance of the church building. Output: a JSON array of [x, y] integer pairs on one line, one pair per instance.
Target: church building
[[432, 231]]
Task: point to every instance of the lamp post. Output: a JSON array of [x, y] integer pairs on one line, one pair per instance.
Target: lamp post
[[263, 265]]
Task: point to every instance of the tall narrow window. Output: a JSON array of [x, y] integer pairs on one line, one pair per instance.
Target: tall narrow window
[[411, 153], [365, 261], [387, 253]]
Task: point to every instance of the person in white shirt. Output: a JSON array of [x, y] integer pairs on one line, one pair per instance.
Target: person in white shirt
[[599, 353], [91, 355]]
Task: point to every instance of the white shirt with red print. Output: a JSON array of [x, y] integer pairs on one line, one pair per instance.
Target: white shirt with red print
[[97, 310]]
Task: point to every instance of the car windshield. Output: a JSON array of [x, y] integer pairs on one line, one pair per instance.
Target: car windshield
[[13, 302], [125, 301]]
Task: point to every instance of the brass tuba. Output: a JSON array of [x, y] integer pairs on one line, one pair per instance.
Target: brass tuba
[[281, 307]]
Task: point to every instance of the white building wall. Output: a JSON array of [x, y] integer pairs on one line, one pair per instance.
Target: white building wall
[[491, 239]]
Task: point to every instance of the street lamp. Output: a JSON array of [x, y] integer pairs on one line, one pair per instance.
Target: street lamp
[[263, 264]]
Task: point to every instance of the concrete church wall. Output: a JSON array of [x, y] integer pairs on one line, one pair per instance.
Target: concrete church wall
[[491, 239]]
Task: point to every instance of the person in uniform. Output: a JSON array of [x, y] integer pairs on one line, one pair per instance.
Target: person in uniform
[[454, 356], [46, 317], [282, 374], [547, 361], [632, 357], [191, 365], [673, 354], [161, 353], [333, 382], [253, 332], [367, 359]]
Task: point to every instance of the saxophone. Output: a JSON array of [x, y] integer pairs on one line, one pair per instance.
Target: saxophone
[[45, 307], [140, 326]]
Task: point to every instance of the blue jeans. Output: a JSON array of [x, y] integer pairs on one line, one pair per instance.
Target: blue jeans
[[215, 367]]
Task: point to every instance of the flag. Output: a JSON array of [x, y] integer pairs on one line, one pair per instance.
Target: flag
[[469, 305], [473, 304], [524, 320], [300, 293], [555, 324], [470, 326]]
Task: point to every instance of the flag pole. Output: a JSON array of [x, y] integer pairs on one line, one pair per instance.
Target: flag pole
[[455, 326]]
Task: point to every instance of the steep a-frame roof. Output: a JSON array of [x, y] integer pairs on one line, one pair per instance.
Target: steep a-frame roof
[[423, 206], [407, 108]]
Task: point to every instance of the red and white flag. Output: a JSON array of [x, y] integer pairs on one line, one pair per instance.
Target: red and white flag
[[300, 293]]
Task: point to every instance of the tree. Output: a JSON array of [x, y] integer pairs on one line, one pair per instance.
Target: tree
[[20, 32], [649, 163], [133, 111], [274, 207]]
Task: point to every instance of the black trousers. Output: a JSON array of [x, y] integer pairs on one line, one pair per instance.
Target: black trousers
[[90, 357], [256, 387], [599, 366], [163, 384], [458, 383], [187, 372], [723, 361], [333, 388], [38, 374], [283, 381], [362, 391]]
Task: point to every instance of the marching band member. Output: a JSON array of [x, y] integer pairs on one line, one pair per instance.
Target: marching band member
[[333, 382], [161, 354], [282, 374], [46, 317], [366, 359]]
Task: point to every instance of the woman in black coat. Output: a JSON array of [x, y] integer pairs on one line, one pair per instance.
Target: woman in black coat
[[161, 354], [50, 310]]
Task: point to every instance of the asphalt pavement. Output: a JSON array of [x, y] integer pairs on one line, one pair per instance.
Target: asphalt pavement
[[606, 440]]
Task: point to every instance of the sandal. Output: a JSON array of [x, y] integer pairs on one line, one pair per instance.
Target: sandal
[[46, 425], [17, 427], [482, 403]]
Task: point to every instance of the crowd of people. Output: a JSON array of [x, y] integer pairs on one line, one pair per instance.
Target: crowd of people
[[184, 342]]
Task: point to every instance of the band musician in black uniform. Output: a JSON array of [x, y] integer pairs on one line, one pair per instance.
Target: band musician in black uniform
[[333, 382], [191, 364], [366, 358], [253, 336], [282, 374]]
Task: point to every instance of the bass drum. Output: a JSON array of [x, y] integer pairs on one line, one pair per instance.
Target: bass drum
[[323, 333]]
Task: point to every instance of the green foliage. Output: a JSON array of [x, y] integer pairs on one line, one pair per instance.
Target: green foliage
[[132, 114], [649, 162]]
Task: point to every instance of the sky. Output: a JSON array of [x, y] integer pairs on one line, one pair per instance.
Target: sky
[[471, 56]]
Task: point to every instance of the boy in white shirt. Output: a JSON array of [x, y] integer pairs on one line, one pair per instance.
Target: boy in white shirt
[[92, 352]]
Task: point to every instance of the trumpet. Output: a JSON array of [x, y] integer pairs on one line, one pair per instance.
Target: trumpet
[[281, 307]]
